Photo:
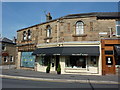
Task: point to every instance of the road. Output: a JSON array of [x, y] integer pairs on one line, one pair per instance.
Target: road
[[14, 83]]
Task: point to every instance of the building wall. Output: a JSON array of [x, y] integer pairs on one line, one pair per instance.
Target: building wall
[[64, 30], [10, 49]]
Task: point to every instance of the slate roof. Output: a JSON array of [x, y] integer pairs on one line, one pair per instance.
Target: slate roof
[[99, 15], [6, 40]]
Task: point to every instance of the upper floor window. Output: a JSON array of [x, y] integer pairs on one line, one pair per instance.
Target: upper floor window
[[48, 32], [5, 59], [79, 28], [29, 34], [24, 35], [3, 47], [11, 59], [117, 28]]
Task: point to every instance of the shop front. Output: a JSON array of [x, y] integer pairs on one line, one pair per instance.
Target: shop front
[[117, 54], [27, 60], [73, 60], [110, 56]]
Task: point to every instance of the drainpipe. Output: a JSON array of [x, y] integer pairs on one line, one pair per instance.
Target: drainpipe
[[58, 28], [110, 29]]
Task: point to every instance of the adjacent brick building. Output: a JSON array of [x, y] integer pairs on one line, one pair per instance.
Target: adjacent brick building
[[82, 31]]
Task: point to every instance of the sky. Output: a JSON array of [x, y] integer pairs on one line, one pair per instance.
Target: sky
[[18, 15]]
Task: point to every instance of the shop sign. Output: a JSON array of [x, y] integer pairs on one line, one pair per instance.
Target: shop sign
[[56, 54], [81, 54], [41, 54]]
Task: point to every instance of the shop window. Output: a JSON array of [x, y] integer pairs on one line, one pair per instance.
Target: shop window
[[79, 28], [93, 61], [44, 60], [108, 52], [11, 59], [117, 61], [3, 47], [118, 28], [5, 59], [29, 34], [48, 32], [109, 60], [24, 35], [76, 62]]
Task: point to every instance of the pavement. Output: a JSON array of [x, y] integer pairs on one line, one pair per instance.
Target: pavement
[[41, 76]]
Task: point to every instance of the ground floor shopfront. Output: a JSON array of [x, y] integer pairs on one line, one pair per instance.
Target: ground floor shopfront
[[70, 64], [25, 59], [82, 59]]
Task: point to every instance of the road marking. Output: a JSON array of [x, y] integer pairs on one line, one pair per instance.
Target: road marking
[[58, 80]]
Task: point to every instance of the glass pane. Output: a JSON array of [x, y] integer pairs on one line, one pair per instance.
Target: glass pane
[[79, 28], [117, 22], [27, 60], [118, 30]]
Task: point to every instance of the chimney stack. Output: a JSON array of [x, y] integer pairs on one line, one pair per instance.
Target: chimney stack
[[48, 17], [14, 40]]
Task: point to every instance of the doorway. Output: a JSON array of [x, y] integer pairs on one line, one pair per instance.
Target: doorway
[[110, 65], [57, 61]]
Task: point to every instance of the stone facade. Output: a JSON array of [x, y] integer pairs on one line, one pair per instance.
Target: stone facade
[[9, 54], [63, 32]]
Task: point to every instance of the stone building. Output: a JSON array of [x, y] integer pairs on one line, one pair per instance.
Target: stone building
[[8, 53], [73, 41]]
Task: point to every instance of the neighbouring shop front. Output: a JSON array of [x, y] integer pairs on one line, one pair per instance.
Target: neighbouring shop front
[[117, 54], [81, 60], [27, 59], [110, 56]]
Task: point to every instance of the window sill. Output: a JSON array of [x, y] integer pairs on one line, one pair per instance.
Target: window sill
[[81, 35], [118, 36], [47, 38]]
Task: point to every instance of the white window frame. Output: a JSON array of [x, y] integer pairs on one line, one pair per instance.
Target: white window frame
[[4, 47], [29, 36], [24, 36], [12, 59], [117, 29], [48, 31], [6, 59], [79, 28]]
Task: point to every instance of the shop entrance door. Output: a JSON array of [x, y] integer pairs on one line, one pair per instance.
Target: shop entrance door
[[57, 61], [110, 65]]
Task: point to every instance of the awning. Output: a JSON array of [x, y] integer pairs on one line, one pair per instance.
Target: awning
[[117, 49], [5, 54], [76, 51]]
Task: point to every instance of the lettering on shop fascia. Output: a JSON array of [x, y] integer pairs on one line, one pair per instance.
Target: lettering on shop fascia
[[41, 54], [81, 54], [56, 54]]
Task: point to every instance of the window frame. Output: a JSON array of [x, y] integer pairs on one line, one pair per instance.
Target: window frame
[[24, 35], [3, 46], [12, 59], [79, 27], [48, 31], [29, 34], [117, 25], [5, 61]]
